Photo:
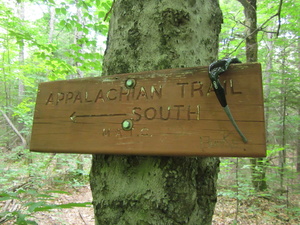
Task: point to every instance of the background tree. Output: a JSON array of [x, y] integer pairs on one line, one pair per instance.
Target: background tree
[[257, 164], [152, 35]]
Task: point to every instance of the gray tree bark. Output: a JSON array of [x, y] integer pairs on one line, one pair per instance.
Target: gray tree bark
[[152, 35], [298, 142], [258, 169], [251, 29]]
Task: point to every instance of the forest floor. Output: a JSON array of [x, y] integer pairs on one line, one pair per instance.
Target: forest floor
[[250, 211]]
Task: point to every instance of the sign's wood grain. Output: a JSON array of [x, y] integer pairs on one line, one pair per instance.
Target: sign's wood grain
[[173, 112]]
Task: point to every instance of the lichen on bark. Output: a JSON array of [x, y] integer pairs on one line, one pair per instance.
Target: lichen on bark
[[151, 35]]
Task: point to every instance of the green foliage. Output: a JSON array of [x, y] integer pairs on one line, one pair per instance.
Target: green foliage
[[235, 183], [70, 47], [29, 207], [30, 179]]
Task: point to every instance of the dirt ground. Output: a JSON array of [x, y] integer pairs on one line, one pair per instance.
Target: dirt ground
[[257, 211], [251, 211], [75, 216]]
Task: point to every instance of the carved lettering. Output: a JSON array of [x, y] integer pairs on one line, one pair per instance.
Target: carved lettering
[[192, 89], [232, 90], [210, 89], [178, 110], [135, 112], [124, 93], [150, 113], [78, 97], [218, 141], [50, 99], [99, 96], [109, 97], [161, 113], [197, 112], [69, 96], [182, 88], [156, 92], [60, 97], [119, 133], [106, 132], [86, 99], [145, 132], [199, 88], [165, 113], [142, 93]]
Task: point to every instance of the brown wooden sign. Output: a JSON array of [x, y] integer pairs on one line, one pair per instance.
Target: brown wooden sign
[[166, 112]]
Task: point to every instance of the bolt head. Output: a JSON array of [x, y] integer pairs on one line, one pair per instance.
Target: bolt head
[[130, 83], [127, 124]]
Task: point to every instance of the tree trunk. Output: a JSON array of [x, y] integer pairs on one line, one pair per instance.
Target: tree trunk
[[258, 171], [51, 23], [298, 147], [152, 35], [298, 141], [283, 108], [267, 86], [78, 34], [251, 29], [21, 14]]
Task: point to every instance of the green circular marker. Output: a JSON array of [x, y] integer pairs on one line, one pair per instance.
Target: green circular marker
[[130, 83], [127, 125]]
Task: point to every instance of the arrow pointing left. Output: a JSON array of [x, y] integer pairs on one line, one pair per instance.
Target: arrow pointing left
[[73, 116]]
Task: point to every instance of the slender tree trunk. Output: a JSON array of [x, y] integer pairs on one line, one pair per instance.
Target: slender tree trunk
[[268, 75], [77, 36], [21, 14], [7, 87], [258, 171], [298, 141], [283, 107], [251, 29], [298, 147], [51, 23], [151, 35]]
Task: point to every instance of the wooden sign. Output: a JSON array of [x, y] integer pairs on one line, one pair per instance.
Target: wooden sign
[[166, 112]]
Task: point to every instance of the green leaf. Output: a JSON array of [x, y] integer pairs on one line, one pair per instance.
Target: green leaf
[[32, 206], [62, 206], [59, 192], [85, 30], [57, 10], [8, 196], [63, 11], [101, 14], [106, 6]]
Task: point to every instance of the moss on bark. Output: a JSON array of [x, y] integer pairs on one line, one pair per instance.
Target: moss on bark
[[143, 36]]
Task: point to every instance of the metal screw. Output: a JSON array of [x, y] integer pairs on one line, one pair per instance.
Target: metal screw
[[130, 83], [127, 125]]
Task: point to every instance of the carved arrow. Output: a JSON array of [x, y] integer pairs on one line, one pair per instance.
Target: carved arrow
[[73, 116]]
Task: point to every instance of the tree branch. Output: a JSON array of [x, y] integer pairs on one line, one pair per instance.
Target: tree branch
[[279, 19], [24, 143], [111, 8], [261, 27], [244, 3]]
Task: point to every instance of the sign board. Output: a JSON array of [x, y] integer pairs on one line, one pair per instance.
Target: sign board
[[165, 112]]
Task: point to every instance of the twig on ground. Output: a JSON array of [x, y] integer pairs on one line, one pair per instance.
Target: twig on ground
[[82, 218]]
